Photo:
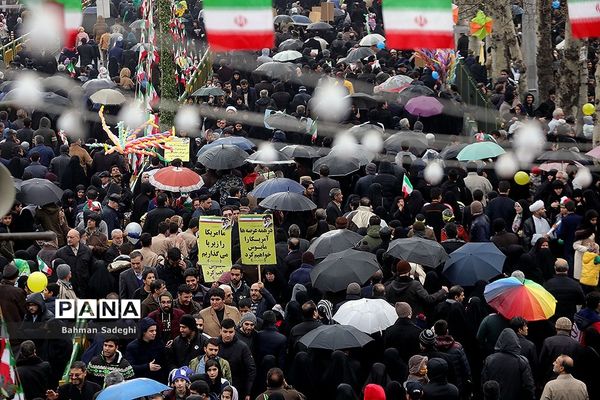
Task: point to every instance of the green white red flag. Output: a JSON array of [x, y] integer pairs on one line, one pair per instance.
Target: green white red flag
[[585, 18], [68, 13], [407, 187], [42, 266], [411, 24], [9, 382], [239, 24]]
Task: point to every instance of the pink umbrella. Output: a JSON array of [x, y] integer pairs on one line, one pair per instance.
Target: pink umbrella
[[595, 152], [424, 106]]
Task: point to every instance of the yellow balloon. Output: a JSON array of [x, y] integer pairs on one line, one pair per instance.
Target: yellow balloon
[[37, 281], [522, 178], [588, 109]]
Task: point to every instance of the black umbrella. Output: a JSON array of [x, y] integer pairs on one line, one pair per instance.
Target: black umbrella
[[94, 85], [565, 155], [319, 26], [39, 192], [333, 242], [55, 99], [357, 55], [363, 100], [335, 337], [340, 269], [451, 151], [414, 90], [300, 151], [417, 141], [283, 19], [223, 157], [418, 250], [287, 201], [276, 70], [208, 91], [339, 165], [285, 122], [291, 44]]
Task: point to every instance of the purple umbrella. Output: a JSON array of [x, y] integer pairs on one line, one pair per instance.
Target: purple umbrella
[[424, 106]]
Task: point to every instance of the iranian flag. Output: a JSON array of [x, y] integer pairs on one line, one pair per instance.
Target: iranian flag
[[68, 13], [411, 24], [239, 24], [585, 18], [9, 382], [407, 187], [42, 266]]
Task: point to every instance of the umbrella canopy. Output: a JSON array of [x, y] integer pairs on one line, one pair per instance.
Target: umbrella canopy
[[285, 122], [176, 179], [513, 298], [394, 84], [418, 250], [54, 99], [414, 90], [39, 192], [283, 19], [333, 242], [94, 85], [139, 24], [338, 165], [473, 262], [424, 106], [287, 201], [238, 141], [108, 97], [208, 91], [301, 20], [225, 156], [276, 185], [358, 151], [340, 269], [594, 153], [565, 155], [275, 70], [452, 151], [58, 84], [300, 151], [357, 54], [132, 389], [416, 141], [319, 26], [8, 86], [371, 40], [290, 44], [367, 315], [363, 100], [480, 151], [335, 337], [269, 157], [287, 55]]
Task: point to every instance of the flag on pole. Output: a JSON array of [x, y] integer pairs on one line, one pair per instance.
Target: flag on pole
[[585, 18], [9, 382], [413, 24], [313, 131], [69, 14], [407, 187], [22, 266], [239, 24], [42, 266]]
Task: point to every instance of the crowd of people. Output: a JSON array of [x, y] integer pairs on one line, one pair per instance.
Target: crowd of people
[[239, 336]]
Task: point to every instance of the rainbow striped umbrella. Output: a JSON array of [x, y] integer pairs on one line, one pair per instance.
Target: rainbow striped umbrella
[[513, 298]]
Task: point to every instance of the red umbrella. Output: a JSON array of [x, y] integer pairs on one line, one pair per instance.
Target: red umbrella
[[424, 106], [175, 179]]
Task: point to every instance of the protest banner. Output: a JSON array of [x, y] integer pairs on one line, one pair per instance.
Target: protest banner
[[257, 239], [214, 246], [179, 148]]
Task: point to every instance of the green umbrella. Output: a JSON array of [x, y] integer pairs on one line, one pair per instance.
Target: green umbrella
[[480, 151]]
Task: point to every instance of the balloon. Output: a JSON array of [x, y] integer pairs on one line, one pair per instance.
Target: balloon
[[435, 75], [522, 178], [556, 4], [588, 109], [133, 230], [381, 45], [37, 281]]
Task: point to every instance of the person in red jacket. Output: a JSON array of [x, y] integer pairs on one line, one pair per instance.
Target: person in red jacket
[[167, 318]]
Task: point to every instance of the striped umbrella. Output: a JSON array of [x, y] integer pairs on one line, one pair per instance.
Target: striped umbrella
[[527, 299]]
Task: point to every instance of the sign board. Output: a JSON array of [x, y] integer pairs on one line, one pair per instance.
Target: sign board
[[214, 246], [327, 11], [103, 8], [180, 148], [257, 239]]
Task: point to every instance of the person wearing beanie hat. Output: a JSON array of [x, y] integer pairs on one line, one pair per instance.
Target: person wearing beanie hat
[[245, 331], [509, 368], [404, 334], [269, 341], [438, 386], [480, 224], [167, 318], [427, 338], [417, 369], [189, 344], [65, 288], [420, 229], [180, 380], [374, 392]]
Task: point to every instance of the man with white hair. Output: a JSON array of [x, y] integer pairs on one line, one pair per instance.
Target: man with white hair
[[558, 118], [228, 294]]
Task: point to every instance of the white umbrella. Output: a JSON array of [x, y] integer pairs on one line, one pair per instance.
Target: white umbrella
[[367, 315], [287, 55], [371, 39], [108, 97]]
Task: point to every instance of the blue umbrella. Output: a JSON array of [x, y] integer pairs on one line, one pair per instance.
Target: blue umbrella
[[473, 262], [276, 185], [132, 389], [238, 141]]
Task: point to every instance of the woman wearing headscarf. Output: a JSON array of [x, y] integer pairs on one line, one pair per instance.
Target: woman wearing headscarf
[[339, 371], [378, 375], [345, 392], [69, 206], [275, 283], [415, 203], [375, 194], [521, 215], [325, 310], [74, 175], [585, 241], [301, 375], [395, 391], [538, 263], [396, 368]]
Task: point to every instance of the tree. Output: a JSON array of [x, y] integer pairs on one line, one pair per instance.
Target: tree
[[168, 84], [544, 51], [503, 40], [572, 86]]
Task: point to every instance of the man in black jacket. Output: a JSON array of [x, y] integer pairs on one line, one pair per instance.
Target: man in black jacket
[[33, 371], [323, 187], [566, 291], [187, 345], [79, 257], [404, 334], [79, 388], [159, 214], [311, 321], [243, 367], [528, 349]]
